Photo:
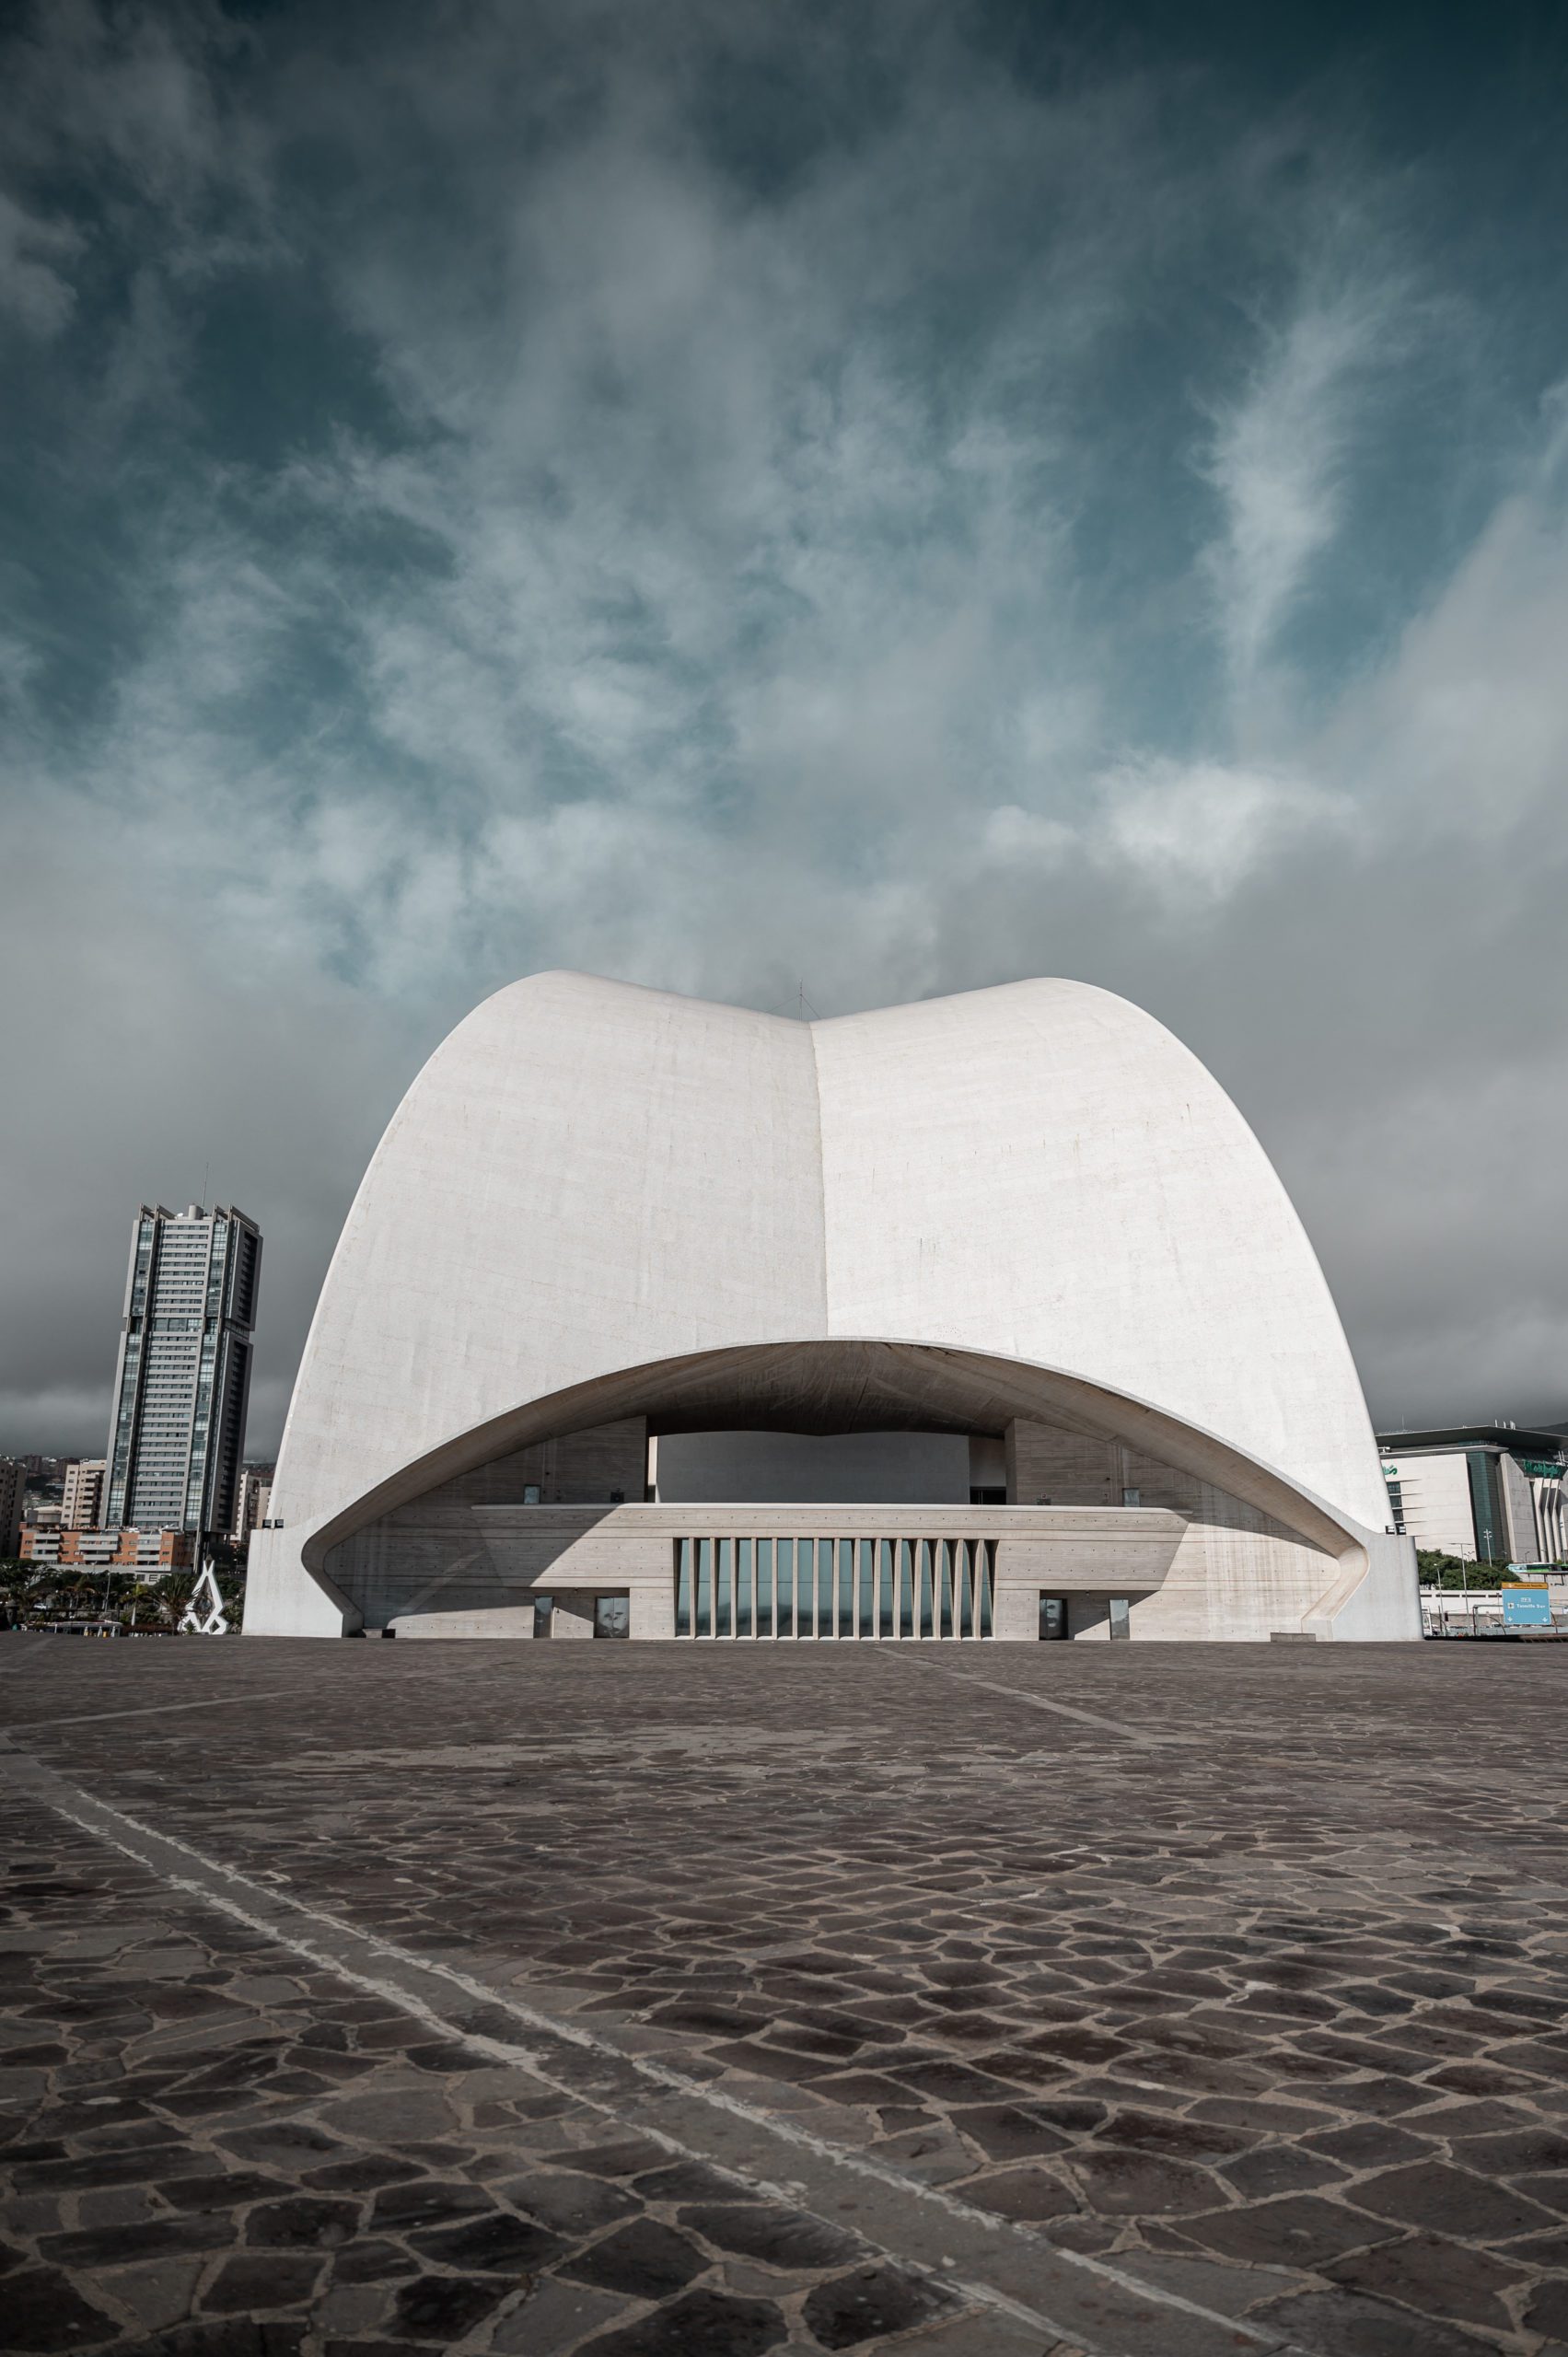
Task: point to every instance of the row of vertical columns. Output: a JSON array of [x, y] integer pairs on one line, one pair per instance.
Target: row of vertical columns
[[838, 1586]]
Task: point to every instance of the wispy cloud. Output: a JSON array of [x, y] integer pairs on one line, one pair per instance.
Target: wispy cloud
[[702, 495], [34, 256], [1279, 461]]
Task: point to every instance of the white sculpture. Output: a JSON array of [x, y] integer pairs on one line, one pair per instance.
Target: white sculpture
[[204, 1616]]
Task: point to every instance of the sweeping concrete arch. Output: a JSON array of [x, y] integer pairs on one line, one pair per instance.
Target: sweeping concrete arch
[[1027, 1206], [846, 1386]]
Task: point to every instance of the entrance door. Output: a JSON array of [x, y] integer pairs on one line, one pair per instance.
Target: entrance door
[[1052, 1617], [543, 1611], [613, 1616]]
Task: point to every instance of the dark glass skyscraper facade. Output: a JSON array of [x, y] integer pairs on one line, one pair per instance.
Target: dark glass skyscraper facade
[[176, 1438]]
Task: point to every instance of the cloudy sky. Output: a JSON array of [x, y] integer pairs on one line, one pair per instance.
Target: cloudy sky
[[764, 497]]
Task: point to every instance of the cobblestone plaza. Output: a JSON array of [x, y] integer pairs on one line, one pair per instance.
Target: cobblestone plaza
[[664, 1999]]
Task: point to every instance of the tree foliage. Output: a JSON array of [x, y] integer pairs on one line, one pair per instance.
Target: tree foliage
[[1438, 1570], [32, 1595]]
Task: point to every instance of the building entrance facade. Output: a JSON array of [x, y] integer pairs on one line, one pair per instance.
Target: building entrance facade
[[754, 1535], [793, 1588]]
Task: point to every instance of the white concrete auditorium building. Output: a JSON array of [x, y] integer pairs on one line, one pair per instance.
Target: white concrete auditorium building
[[980, 1319]]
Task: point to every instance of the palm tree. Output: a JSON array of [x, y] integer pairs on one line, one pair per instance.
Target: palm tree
[[39, 1596], [174, 1593], [15, 1577]]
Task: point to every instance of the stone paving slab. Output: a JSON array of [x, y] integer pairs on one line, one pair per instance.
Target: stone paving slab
[[1244, 1983], [215, 2148]]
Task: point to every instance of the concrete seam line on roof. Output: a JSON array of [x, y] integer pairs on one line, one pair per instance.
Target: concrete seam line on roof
[[363, 1956], [821, 1181]]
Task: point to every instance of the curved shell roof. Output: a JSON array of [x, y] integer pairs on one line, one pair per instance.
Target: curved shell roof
[[588, 1177]]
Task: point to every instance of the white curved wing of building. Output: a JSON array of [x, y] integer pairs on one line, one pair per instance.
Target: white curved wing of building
[[1024, 1221]]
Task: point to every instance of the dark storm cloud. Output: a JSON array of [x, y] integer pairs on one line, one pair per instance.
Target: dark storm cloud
[[741, 496]]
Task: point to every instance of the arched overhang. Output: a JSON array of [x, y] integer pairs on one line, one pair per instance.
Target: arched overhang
[[843, 1385]]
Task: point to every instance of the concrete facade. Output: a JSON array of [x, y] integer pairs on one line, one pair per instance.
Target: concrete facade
[[84, 1494], [1021, 1231], [183, 1382], [252, 1495], [1485, 1493], [798, 1469], [117, 1550]]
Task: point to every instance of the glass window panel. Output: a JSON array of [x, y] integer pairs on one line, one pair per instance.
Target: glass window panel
[[906, 1589], [764, 1587], [721, 1626], [1121, 1622], [743, 1588], [925, 1623], [705, 1587], [824, 1587], [945, 1550], [965, 1572], [805, 1588], [785, 1550], [886, 1569], [847, 1586], [987, 1553], [867, 1621]]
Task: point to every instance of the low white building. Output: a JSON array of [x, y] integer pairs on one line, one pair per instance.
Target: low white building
[[983, 1318]]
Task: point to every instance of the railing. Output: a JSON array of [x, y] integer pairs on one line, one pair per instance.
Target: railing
[[1485, 1611]]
